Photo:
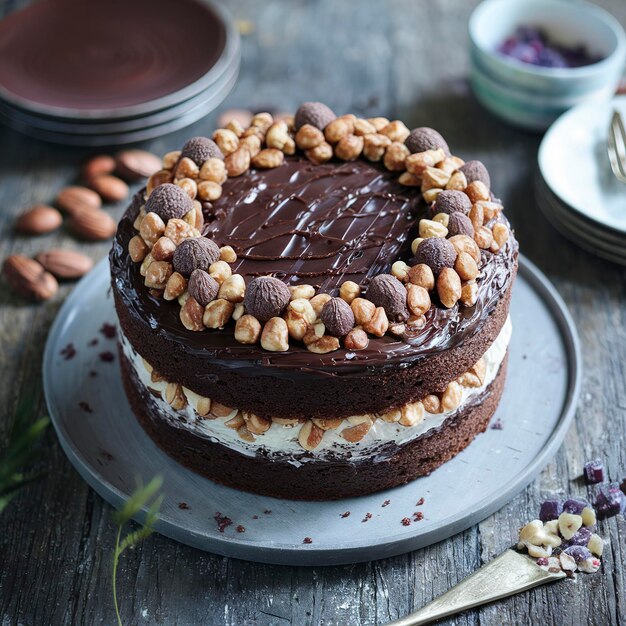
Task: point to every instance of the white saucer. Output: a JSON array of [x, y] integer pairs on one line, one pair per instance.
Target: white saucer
[[574, 163], [108, 447]]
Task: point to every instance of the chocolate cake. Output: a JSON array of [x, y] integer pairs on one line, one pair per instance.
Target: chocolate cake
[[314, 307]]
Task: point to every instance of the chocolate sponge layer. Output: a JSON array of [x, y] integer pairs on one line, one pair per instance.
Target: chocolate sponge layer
[[316, 479]]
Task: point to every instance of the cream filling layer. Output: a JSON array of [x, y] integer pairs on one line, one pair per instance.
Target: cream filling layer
[[281, 442]]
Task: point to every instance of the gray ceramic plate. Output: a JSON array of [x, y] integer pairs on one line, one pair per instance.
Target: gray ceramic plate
[[108, 447]]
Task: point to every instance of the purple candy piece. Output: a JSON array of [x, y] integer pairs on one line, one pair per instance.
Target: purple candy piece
[[581, 538], [574, 506], [578, 553], [550, 509], [610, 501], [594, 472]]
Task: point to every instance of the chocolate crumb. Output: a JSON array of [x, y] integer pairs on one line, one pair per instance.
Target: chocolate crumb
[[107, 356], [69, 352], [307, 540], [183, 505], [418, 516], [346, 514], [93, 342], [93, 374], [108, 330], [255, 517], [368, 516], [497, 425], [241, 529], [222, 521], [268, 512], [107, 455], [420, 502], [406, 521], [85, 406], [386, 503]]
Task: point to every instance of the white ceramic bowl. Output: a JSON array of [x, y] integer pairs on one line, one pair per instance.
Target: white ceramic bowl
[[533, 96]]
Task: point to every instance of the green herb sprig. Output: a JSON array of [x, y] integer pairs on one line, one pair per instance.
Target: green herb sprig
[[21, 453], [132, 507]]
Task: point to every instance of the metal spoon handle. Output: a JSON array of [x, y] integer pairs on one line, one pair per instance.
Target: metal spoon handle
[[506, 575]]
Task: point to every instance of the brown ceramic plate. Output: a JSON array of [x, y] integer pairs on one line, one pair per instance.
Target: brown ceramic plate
[[95, 60]]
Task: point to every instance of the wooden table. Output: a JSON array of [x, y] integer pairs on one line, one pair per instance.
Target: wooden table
[[400, 58]]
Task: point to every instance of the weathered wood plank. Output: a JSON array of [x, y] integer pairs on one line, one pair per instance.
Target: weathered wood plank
[[398, 58]]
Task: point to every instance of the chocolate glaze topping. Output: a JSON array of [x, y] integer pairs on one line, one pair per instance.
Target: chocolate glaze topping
[[317, 224]]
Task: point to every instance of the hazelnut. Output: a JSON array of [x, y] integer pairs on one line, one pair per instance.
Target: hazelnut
[[137, 249], [157, 179], [168, 201], [318, 302], [262, 120], [213, 170], [252, 144], [337, 317], [490, 210], [469, 294], [177, 230], [323, 345], [477, 191], [483, 237], [434, 178], [338, 129], [400, 270], [412, 414], [217, 313], [418, 163], [451, 201], [170, 159], [465, 266], [500, 233], [457, 182], [451, 398], [422, 276], [363, 310], [448, 287], [145, 264], [195, 253], [430, 228], [220, 270], [442, 218], [277, 135], [363, 127], [409, 180], [349, 148], [302, 291], [477, 216], [227, 254], [247, 330], [163, 249], [388, 292], [378, 122], [431, 195], [226, 140], [209, 191], [374, 146], [396, 131], [175, 287], [157, 274], [191, 315], [320, 154], [202, 287], [417, 299], [356, 339], [379, 323], [395, 156], [152, 227], [266, 297], [309, 137], [349, 290], [275, 335], [268, 158], [238, 162], [299, 316], [463, 243], [233, 289], [432, 404]]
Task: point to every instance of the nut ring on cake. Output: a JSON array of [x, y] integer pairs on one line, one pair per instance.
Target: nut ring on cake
[[309, 289]]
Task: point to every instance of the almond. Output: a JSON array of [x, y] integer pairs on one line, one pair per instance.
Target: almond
[[38, 220], [65, 264], [97, 166], [94, 225], [74, 200], [135, 164], [109, 188], [29, 278]]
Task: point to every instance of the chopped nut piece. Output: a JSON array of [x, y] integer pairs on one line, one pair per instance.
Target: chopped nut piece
[[379, 323], [163, 249], [417, 300], [252, 144], [374, 146], [302, 291], [412, 414], [299, 316], [221, 410], [400, 270], [220, 271], [277, 135], [339, 128], [245, 434], [463, 243], [469, 293], [213, 170], [363, 310], [324, 344], [320, 154], [432, 404], [396, 131], [268, 158], [237, 162], [318, 302], [309, 137], [158, 274], [349, 290], [186, 168], [409, 180], [483, 237], [235, 422], [430, 228], [356, 339], [465, 266], [434, 178], [391, 416], [451, 398], [189, 186], [137, 249], [233, 288], [145, 264], [247, 330], [209, 191], [349, 148], [191, 315], [177, 230], [431, 195], [275, 335], [477, 191], [417, 163], [152, 227], [500, 234], [227, 140], [378, 122], [175, 287], [310, 436], [170, 159], [227, 254], [457, 181], [328, 424], [363, 127], [175, 397], [256, 425], [354, 434], [217, 313]]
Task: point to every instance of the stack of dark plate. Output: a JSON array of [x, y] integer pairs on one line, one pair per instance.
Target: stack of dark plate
[[105, 73], [575, 187]]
